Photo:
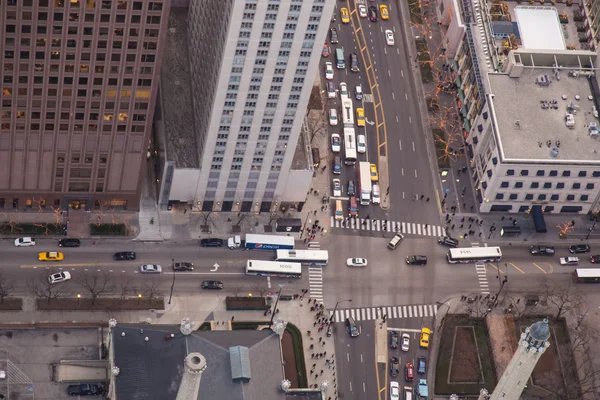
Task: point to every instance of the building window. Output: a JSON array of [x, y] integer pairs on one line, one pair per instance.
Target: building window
[[582, 173], [576, 186], [584, 197], [554, 197], [596, 174], [547, 185], [535, 185], [560, 185], [510, 172], [518, 185], [499, 196], [524, 172], [540, 172], [589, 186], [542, 197], [571, 197], [566, 173], [553, 173]]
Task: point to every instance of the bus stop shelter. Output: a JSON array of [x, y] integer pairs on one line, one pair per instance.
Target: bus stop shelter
[[538, 219], [510, 231]]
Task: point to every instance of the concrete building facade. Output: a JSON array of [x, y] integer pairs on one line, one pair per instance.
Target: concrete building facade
[[79, 81]]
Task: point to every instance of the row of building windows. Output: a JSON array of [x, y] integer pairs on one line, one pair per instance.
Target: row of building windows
[[541, 172], [100, 57], [69, 80], [74, 17], [105, 4], [548, 185], [541, 197], [49, 128], [71, 43]]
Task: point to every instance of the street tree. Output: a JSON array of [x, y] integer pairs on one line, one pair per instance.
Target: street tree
[[41, 287], [315, 126], [260, 288], [125, 286], [6, 286], [235, 290], [96, 283], [564, 297], [151, 289]]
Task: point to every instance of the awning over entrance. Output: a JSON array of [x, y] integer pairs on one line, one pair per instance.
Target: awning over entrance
[[538, 219]]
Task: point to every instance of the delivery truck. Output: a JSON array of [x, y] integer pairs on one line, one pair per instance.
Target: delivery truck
[[261, 242]]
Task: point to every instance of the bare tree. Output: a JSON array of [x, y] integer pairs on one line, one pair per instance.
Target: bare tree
[[260, 288], [151, 289], [479, 309], [6, 286], [315, 126], [205, 218], [96, 283], [41, 287], [125, 286], [564, 297], [235, 290]]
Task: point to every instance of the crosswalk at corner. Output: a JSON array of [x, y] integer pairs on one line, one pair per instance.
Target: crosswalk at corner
[[315, 283], [371, 313], [482, 275], [377, 225]]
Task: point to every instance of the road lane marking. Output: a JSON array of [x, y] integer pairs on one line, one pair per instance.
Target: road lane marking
[[364, 388], [517, 268], [413, 144], [393, 96], [410, 120], [406, 96], [540, 268]]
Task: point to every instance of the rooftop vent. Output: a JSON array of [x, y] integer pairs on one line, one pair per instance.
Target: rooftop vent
[[554, 152], [593, 129], [543, 80], [239, 356], [569, 120]]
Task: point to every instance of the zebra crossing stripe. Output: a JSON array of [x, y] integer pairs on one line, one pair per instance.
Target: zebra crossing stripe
[[394, 314], [372, 313]]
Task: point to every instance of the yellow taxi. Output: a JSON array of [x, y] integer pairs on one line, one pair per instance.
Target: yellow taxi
[[360, 117], [374, 174], [424, 338], [383, 10], [51, 256], [345, 15]]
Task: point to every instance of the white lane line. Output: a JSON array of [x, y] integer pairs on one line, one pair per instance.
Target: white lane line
[[406, 96]]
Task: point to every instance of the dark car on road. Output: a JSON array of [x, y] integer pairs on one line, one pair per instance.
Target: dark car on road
[[394, 366], [595, 259], [373, 14], [354, 62], [333, 36], [541, 250], [579, 248], [394, 338], [416, 260], [124, 256], [351, 327], [183, 266], [409, 373], [421, 364], [337, 165], [69, 243], [216, 285], [211, 242], [351, 188], [447, 241], [86, 389]]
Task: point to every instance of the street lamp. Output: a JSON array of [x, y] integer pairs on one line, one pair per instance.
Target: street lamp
[[276, 302], [139, 298], [78, 299], [591, 229], [333, 313], [173, 284]]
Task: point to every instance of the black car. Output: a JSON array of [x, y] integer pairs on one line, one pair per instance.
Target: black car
[[394, 337], [351, 327], [416, 260], [351, 188], [183, 266], [86, 389], [69, 243], [212, 242], [333, 36], [579, 248], [353, 62], [124, 256], [542, 250], [394, 367], [212, 285], [373, 14], [448, 241], [595, 259]]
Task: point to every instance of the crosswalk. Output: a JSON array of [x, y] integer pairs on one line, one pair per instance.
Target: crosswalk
[[371, 313], [367, 98], [315, 283], [482, 275], [410, 228]]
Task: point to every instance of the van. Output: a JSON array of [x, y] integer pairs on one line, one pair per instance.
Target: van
[[408, 393], [396, 240], [353, 209], [339, 211], [212, 242], [376, 194], [351, 327], [316, 157]]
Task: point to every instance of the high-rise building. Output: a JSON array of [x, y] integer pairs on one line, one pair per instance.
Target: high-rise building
[[247, 72], [79, 81]]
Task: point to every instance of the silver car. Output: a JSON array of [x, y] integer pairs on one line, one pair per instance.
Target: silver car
[[59, 277], [150, 269]]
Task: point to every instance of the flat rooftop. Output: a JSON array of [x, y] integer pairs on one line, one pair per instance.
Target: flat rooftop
[[525, 127], [540, 28], [176, 94]]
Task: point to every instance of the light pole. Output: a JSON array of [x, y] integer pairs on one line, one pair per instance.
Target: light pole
[[591, 229], [333, 313], [276, 302], [139, 298], [78, 299], [173, 284]]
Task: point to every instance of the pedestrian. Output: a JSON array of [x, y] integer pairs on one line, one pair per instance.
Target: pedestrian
[[464, 205], [325, 353], [452, 226], [305, 240], [312, 355], [479, 234], [471, 208], [185, 210], [470, 226], [502, 219], [312, 346], [324, 168], [311, 371], [321, 372], [428, 199], [461, 225], [422, 196], [315, 212]]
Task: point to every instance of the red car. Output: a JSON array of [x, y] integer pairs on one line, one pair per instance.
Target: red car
[[409, 373], [325, 51], [595, 259]]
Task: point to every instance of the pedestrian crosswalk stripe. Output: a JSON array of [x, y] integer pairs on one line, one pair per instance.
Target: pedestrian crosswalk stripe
[[315, 283], [371, 313], [367, 224]]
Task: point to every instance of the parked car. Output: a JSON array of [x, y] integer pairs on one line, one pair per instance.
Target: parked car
[[394, 339], [448, 241], [421, 365], [325, 51], [424, 338], [183, 266], [409, 372], [542, 250], [24, 242], [69, 243], [328, 70], [124, 256], [59, 277], [356, 262], [150, 269], [337, 188], [51, 256], [211, 242], [579, 248], [215, 285], [569, 261], [394, 367], [405, 342], [86, 389]]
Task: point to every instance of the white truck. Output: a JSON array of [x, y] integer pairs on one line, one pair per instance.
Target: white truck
[[364, 181], [261, 242]]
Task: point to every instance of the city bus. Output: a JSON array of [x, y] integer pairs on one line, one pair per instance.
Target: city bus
[[349, 146], [348, 114], [306, 257], [274, 268], [474, 254], [586, 275]]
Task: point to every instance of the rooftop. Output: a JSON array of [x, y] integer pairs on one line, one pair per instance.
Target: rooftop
[[540, 28], [152, 370], [176, 94], [530, 116]]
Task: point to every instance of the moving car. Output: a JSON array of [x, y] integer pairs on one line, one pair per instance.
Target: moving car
[[373, 13], [150, 269], [86, 389], [354, 62], [421, 365], [361, 143], [409, 372], [331, 93], [337, 188], [569, 261], [579, 248], [339, 210], [424, 338], [333, 36], [362, 11], [383, 10], [396, 240], [374, 175], [325, 51], [343, 89], [351, 189], [416, 260], [389, 37], [69, 243], [595, 259], [358, 93], [394, 339], [333, 118], [336, 143], [211, 242], [51, 256], [542, 250], [394, 391], [405, 342], [124, 256], [183, 266], [408, 393], [375, 194], [394, 366], [337, 165], [24, 242], [59, 277], [353, 207], [345, 15], [215, 285], [360, 117], [448, 241], [356, 262], [328, 70], [351, 327]]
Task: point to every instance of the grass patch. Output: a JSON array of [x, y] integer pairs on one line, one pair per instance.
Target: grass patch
[[31, 228], [296, 337], [11, 304], [445, 355], [424, 58], [416, 15], [443, 160], [108, 229], [465, 363], [113, 304], [247, 325]]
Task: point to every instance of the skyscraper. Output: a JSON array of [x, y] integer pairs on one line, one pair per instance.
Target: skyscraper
[[79, 81], [250, 83]]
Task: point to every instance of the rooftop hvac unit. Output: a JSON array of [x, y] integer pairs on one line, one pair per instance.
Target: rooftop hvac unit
[[569, 120], [543, 80], [593, 129], [554, 152]]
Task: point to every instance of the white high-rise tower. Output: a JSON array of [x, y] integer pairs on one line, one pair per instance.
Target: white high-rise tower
[[534, 341]]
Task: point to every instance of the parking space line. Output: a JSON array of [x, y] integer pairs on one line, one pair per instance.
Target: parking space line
[[540, 268], [517, 268]]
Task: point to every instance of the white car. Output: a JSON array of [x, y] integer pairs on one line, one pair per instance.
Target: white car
[[405, 341], [24, 242], [343, 89], [333, 118], [362, 11], [337, 188], [150, 269], [389, 38], [331, 94], [394, 391], [358, 93], [569, 261], [356, 262], [361, 143], [336, 143], [328, 71], [59, 277]]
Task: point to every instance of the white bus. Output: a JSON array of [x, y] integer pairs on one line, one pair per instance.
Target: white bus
[[274, 268], [307, 257], [349, 146], [586, 275], [348, 113], [474, 254]]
